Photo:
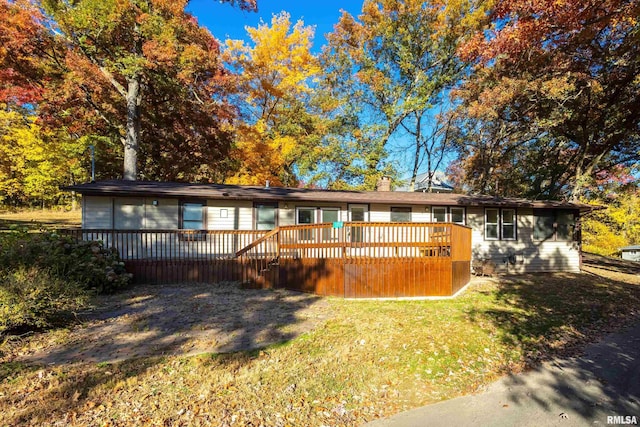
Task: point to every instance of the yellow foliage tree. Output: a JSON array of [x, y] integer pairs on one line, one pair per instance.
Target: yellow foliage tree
[[275, 78], [34, 163], [605, 232]]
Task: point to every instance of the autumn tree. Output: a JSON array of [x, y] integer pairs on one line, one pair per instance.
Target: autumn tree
[[275, 73], [140, 72], [555, 98], [389, 68], [34, 163], [605, 231]]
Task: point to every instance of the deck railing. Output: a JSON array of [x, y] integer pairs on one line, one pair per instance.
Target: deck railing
[[172, 245], [347, 259]]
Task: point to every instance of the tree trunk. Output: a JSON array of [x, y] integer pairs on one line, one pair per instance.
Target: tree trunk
[[416, 160], [131, 143]]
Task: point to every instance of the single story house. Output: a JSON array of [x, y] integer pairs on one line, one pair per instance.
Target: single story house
[[516, 235], [631, 253]]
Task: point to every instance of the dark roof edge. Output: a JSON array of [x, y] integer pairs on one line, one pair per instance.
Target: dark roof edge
[[237, 192]]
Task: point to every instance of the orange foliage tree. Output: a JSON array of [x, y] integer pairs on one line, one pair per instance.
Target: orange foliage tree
[[142, 74], [555, 98]]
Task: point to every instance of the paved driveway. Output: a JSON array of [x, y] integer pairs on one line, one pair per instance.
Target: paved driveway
[[603, 383]]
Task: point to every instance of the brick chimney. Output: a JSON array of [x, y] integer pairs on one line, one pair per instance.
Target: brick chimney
[[383, 184]]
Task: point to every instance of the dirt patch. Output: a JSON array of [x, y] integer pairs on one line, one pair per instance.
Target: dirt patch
[[183, 320]]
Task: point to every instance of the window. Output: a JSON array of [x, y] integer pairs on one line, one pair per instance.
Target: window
[[500, 224], [457, 215], [265, 216], [400, 214], [564, 225], [329, 215], [358, 213], [305, 216], [445, 214], [193, 216], [491, 224], [508, 220], [553, 224], [439, 214]]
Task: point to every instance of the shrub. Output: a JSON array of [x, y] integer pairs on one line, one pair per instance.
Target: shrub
[[88, 264], [35, 298]]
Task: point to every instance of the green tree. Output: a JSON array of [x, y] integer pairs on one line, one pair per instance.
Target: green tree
[[388, 69]]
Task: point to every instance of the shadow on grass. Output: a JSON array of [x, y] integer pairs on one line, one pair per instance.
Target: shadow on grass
[[616, 265], [553, 317], [64, 390], [36, 225], [135, 330], [185, 319]]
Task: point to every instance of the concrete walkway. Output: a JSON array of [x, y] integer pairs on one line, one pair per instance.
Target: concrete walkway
[[604, 382]]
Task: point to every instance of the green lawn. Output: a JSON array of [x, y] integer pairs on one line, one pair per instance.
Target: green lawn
[[370, 359]]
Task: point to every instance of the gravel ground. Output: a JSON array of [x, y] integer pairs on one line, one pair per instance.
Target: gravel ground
[[183, 320]]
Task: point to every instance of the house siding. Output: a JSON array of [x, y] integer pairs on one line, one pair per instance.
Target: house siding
[[239, 215], [162, 216], [97, 212], [518, 256], [631, 255], [523, 255]]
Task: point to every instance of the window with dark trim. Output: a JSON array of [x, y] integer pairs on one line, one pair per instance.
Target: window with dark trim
[[306, 216], [553, 224], [457, 215], [266, 216], [193, 217], [400, 214], [439, 214], [500, 224]]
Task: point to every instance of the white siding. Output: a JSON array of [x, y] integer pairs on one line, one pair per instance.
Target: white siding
[[161, 216], [631, 255], [286, 215], [521, 255], [97, 212], [379, 213], [524, 254], [128, 213], [229, 215]]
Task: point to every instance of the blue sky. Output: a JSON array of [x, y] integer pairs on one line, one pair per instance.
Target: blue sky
[[225, 21]]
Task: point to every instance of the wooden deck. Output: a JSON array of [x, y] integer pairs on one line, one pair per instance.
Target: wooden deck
[[351, 259]]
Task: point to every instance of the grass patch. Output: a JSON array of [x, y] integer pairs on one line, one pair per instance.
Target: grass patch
[[370, 360], [38, 219]]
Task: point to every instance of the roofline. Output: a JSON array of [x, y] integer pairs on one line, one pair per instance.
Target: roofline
[[199, 191]]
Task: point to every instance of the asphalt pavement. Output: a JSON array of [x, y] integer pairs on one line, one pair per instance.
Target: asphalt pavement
[[601, 387]]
